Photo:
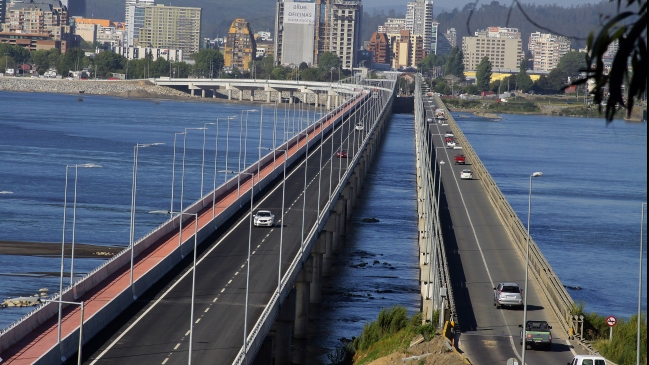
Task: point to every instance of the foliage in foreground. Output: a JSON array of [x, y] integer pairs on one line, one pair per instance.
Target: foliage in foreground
[[392, 331], [622, 350]]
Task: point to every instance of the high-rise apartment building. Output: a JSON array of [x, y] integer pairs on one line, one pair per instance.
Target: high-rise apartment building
[[240, 48], [75, 7], [306, 29], [401, 50], [42, 17], [547, 50], [3, 11], [502, 46], [419, 20], [171, 27], [134, 19], [380, 48]]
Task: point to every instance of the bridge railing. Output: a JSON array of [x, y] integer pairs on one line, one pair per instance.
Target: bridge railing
[[429, 210], [540, 269], [271, 310]]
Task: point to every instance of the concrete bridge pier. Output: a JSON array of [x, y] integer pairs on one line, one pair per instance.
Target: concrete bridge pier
[[229, 94], [315, 102], [284, 329], [202, 93], [213, 93], [241, 95], [348, 193], [290, 97], [269, 95], [302, 300], [191, 91], [252, 95], [328, 254], [317, 254]]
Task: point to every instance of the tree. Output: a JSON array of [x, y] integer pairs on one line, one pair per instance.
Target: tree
[[523, 80], [328, 60], [208, 62], [629, 30], [278, 73], [107, 62], [483, 74], [455, 63], [571, 64], [74, 59], [431, 61]]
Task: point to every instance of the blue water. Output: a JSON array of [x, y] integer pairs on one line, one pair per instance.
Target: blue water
[[586, 208], [42, 133]]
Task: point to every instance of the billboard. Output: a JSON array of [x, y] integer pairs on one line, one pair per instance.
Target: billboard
[[299, 13]]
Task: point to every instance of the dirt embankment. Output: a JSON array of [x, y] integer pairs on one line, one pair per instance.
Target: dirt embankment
[[433, 352]]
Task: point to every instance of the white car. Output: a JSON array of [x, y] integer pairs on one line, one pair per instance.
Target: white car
[[466, 174], [359, 126], [264, 218]]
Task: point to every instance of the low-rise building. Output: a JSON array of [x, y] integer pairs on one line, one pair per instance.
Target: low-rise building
[[502, 46], [380, 48]]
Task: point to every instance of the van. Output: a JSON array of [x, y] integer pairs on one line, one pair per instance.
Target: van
[[588, 360]]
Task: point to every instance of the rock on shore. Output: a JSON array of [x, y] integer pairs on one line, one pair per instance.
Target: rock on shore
[[134, 89]]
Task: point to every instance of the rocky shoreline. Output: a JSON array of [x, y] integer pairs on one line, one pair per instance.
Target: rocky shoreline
[[127, 89]]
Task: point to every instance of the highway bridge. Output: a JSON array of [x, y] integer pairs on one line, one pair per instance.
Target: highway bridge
[[250, 291]]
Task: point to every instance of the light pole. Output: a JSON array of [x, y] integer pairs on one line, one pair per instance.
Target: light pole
[[245, 319], [227, 147], [136, 150], [637, 350], [245, 142], [203, 160], [527, 262], [191, 316], [80, 325], [182, 178], [65, 206], [173, 171], [74, 211]]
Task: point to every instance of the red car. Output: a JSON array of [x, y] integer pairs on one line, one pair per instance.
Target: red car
[[460, 159], [341, 153]]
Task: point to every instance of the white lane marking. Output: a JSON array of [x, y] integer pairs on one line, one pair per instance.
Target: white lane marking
[[187, 333], [207, 309], [236, 273], [574, 353], [222, 290], [198, 320], [214, 301], [165, 361], [229, 282], [177, 346], [243, 219]]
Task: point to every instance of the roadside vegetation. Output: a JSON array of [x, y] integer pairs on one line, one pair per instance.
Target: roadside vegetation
[[392, 331], [622, 350]]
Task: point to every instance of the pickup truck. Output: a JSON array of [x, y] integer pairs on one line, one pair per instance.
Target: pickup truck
[[536, 334], [460, 160]]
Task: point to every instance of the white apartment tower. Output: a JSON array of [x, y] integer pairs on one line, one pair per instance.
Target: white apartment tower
[[547, 50], [419, 20], [134, 19]]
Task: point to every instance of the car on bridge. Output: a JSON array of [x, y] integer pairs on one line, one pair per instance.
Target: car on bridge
[[359, 126], [264, 218], [588, 360], [536, 334], [466, 174], [460, 159], [341, 153], [508, 294]]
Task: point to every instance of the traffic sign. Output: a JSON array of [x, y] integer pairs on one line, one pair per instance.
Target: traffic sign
[[611, 321]]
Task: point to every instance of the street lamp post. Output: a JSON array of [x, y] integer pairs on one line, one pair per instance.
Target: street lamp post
[[245, 319], [227, 147], [136, 150], [173, 171], [65, 206], [182, 178], [245, 142], [80, 325], [191, 316], [203, 160], [527, 261]]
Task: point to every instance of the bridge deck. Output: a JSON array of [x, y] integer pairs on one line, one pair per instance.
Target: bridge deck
[[480, 255]]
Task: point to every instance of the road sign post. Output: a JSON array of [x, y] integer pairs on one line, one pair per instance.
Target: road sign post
[[611, 322]]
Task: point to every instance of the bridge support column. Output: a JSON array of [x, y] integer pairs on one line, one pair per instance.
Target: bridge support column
[[290, 97], [213, 93], [202, 93], [229, 94], [328, 254], [302, 301], [192, 92], [316, 281], [348, 194], [328, 102], [315, 102], [252, 95], [241, 95], [284, 329], [269, 94]]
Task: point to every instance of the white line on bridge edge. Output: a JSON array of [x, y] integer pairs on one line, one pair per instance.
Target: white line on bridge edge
[[165, 361]]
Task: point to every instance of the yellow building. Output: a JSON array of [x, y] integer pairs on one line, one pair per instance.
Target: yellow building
[[240, 46]]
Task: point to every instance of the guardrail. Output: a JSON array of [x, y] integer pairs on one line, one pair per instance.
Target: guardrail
[[560, 300], [428, 206], [271, 310]]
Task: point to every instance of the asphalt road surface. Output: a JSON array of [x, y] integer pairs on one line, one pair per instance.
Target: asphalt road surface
[[480, 255], [155, 330]]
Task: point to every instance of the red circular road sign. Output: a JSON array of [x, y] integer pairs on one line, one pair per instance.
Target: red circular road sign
[[611, 321]]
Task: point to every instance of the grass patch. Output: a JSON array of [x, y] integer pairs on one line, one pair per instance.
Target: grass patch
[[392, 331]]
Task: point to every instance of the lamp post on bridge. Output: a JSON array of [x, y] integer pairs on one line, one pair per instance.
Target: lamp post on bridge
[[245, 146], [191, 316], [227, 147], [173, 171], [80, 325], [136, 150], [527, 262], [245, 319], [215, 152], [65, 202], [182, 178]]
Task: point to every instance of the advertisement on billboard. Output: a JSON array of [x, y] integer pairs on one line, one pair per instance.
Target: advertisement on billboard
[[299, 13]]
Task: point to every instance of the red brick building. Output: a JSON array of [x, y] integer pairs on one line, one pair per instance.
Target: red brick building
[[380, 48]]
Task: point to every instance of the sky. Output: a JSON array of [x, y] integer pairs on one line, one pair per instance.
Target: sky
[[400, 5]]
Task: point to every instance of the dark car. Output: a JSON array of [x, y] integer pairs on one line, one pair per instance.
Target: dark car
[[341, 153]]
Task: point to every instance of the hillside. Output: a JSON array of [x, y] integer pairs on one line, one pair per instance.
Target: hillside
[[575, 21]]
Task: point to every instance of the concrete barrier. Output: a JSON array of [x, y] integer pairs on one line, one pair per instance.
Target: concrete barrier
[[559, 299]]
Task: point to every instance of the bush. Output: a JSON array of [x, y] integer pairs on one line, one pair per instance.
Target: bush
[[622, 350]]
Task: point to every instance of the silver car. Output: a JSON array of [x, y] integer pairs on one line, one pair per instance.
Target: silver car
[[508, 294], [264, 218]]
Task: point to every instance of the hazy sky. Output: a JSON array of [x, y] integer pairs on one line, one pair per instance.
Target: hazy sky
[[400, 5]]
